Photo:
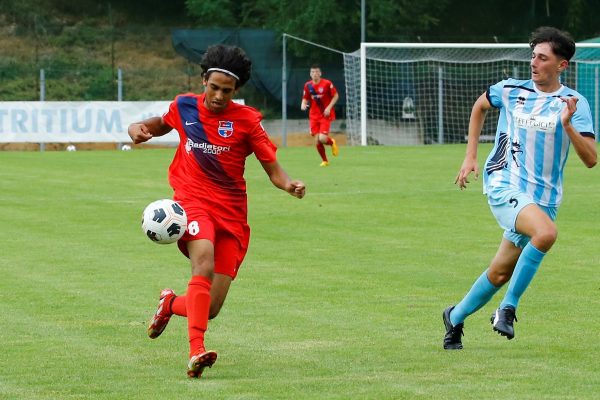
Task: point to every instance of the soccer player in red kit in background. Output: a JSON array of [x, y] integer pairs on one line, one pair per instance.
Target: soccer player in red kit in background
[[216, 135], [320, 96]]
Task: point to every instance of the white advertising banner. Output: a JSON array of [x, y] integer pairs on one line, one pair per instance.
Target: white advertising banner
[[76, 121]]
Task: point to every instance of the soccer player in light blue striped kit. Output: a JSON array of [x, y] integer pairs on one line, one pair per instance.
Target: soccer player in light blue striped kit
[[523, 176]]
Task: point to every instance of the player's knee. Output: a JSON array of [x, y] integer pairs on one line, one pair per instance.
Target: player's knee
[[215, 308], [499, 278], [202, 265], [545, 238], [213, 313]]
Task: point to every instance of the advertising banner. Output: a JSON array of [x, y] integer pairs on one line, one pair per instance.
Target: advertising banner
[[76, 121]]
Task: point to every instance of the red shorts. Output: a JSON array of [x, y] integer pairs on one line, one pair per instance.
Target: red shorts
[[320, 125], [230, 238]]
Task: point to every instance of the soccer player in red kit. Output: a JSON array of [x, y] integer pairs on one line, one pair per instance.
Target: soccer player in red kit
[[319, 96], [216, 135]]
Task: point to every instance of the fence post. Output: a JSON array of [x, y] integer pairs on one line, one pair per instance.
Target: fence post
[[119, 84], [284, 95], [42, 85], [440, 105], [42, 98], [119, 95], [596, 102]]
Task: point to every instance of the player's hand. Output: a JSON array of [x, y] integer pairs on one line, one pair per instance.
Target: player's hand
[[327, 112], [139, 133], [297, 189], [468, 166], [568, 110], [303, 106]]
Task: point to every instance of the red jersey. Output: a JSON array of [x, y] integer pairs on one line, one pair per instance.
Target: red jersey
[[208, 167], [319, 95]]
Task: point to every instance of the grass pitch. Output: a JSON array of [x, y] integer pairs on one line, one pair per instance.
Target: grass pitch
[[340, 295]]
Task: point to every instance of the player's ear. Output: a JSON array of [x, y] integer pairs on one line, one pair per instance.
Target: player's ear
[[563, 65]]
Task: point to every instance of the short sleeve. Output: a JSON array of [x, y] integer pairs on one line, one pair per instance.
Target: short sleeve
[[494, 94], [171, 117], [582, 119], [305, 93], [261, 145], [332, 89]]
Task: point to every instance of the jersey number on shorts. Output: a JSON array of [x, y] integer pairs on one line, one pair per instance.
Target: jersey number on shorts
[[193, 228]]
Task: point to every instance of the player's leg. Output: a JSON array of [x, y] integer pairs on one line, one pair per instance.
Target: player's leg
[[230, 249], [231, 244], [200, 226], [488, 283], [535, 223], [321, 150], [534, 231], [484, 288], [325, 139], [315, 125], [177, 304], [198, 301], [218, 293], [198, 323]]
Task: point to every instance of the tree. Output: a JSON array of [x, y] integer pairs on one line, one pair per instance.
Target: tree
[[334, 23], [403, 20]]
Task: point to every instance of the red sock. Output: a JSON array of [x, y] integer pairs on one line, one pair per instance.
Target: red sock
[[329, 142], [178, 306], [321, 150], [198, 306]]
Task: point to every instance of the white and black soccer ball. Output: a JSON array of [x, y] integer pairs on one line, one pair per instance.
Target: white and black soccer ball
[[126, 147], [164, 221], [71, 147]]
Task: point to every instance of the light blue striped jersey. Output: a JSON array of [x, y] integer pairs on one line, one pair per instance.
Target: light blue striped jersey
[[531, 146]]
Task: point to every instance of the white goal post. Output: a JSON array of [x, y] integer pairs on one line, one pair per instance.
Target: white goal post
[[422, 93]]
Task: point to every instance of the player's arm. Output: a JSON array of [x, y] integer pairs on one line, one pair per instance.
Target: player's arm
[[145, 130], [281, 179], [305, 99], [585, 146], [329, 107], [478, 113], [304, 105]]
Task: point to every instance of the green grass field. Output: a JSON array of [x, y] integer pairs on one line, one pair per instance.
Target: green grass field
[[340, 296]]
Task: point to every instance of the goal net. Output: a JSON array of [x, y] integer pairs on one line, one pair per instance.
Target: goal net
[[422, 93]]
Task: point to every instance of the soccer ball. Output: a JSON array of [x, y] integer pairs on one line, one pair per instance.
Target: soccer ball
[[164, 221], [71, 147], [125, 147]]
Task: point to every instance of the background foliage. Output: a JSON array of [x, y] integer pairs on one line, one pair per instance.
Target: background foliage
[[81, 45]]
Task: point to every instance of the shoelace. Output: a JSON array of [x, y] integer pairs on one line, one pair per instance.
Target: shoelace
[[457, 331], [510, 315]]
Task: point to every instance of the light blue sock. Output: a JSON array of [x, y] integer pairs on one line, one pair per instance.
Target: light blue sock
[[527, 265], [481, 292]]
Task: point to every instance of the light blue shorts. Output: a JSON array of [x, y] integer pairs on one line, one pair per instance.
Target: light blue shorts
[[506, 204]]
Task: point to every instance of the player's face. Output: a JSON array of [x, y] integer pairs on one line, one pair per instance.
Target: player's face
[[315, 74], [219, 89], [546, 66]]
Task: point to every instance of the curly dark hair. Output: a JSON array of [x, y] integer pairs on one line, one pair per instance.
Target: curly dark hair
[[230, 58], [561, 42]]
